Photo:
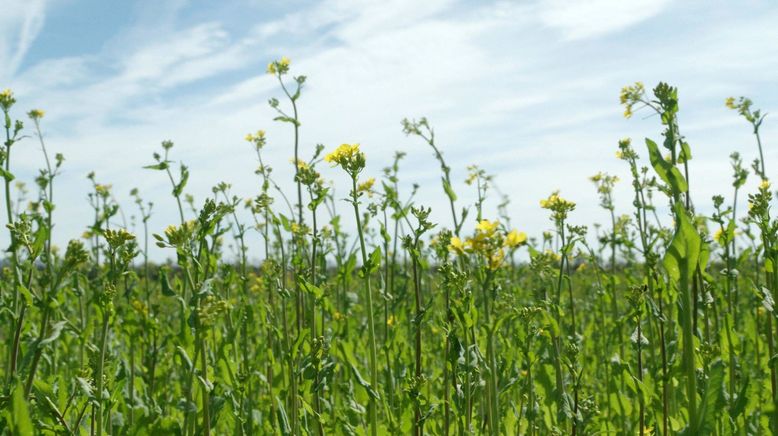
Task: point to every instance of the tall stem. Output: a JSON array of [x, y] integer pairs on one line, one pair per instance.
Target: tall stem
[[373, 412]]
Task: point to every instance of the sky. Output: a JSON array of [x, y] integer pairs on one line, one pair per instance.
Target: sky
[[526, 90]]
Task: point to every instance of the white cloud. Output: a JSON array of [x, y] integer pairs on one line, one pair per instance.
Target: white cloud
[[20, 23], [578, 19]]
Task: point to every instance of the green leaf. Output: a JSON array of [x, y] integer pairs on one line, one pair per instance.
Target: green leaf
[[449, 190], [355, 372], [20, 414], [6, 175], [159, 166], [684, 251], [283, 420], [742, 400], [164, 283], [286, 119], [312, 289], [665, 170], [285, 222], [56, 330], [179, 189], [707, 409], [375, 259]]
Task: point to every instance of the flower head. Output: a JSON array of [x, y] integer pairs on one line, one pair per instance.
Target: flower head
[[366, 186], [558, 206], [456, 245], [486, 227], [718, 234], [36, 114], [258, 138], [630, 96], [7, 99], [515, 239], [348, 157], [280, 66]]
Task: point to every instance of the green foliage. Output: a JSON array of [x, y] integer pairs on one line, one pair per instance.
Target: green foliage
[[380, 320]]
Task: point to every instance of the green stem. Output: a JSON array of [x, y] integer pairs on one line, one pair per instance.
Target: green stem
[[373, 407]]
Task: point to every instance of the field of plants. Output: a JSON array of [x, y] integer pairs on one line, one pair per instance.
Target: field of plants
[[365, 317]]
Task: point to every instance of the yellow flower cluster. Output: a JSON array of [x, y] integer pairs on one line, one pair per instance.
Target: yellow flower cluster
[[7, 99], [554, 202], [116, 238], [210, 309], [558, 206], [254, 137], [367, 185], [342, 153], [178, 235], [515, 239], [36, 114], [348, 157], [140, 307], [488, 242], [258, 139], [300, 164], [299, 230], [279, 67], [718, 234], [630, 96]]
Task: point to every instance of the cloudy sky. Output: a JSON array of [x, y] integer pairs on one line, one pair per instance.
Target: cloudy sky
[[528, 90]]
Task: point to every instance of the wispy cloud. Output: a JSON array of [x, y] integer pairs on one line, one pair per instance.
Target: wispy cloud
[[578, 19], [20, 23]]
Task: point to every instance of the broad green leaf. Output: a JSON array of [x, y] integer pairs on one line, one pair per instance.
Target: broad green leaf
[[684, 251], [707, 409], [665, 170], [20, 413]]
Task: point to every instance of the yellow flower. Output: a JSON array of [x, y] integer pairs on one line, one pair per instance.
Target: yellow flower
[[301, 164], [279, 67], [495, 260], [515, 238], [367, 185], [487, 227], [630, 96], [558, 205], [253, 137], [344, 151], [348, 157], [765, 185], [718, 234], [456, 245], [390, 321], [36, 114], [730, 103], [299, 230], [7, 99]]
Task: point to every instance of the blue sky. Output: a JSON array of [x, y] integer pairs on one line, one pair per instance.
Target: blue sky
[[527, 90]]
